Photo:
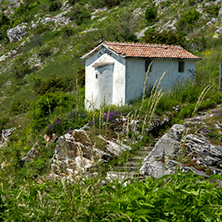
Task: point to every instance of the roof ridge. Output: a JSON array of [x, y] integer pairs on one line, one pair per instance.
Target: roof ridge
[[141, 43]]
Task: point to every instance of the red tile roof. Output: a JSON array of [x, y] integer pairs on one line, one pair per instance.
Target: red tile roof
[[146, 50]]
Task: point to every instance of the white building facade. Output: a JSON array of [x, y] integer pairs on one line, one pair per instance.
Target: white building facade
[[115, 72]]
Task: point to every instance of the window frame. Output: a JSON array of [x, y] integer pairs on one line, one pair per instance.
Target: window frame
[[181, 66]]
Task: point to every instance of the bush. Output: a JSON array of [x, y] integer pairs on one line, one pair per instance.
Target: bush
[[151, 13], [3, 122], [186, 111], [212, 10], [19, 106], [4, 24], [54, 5], [123, 28], [45, 51], [52, 84], [22, 68], [164, 37], [43, 108], [188, 20], [79, 14], [63, 125], [111, 3], [72, 2], [67, 31]]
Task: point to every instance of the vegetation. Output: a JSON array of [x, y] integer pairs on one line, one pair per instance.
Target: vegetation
[[42, 92]]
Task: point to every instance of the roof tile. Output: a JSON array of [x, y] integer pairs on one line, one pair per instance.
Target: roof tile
[[146, 50]]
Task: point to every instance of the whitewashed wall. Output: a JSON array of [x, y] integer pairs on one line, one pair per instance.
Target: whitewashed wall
[[136, 74], [97, 90]]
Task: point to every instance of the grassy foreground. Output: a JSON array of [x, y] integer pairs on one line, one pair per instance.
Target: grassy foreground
[[179, 197]]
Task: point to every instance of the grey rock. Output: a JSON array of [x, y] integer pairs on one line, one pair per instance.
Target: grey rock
[[175, 147], [17, 33], [72, 153], [3, 58]]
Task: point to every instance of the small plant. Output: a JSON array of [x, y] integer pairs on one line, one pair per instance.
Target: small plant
[[151, 14], [54, 5], [79, 14], [72, 2], [4, 24]]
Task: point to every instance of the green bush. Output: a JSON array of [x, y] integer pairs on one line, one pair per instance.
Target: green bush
[[165, 4], [67, 31], [19, 106], [22, 68], [79, 14], [63, 125], [43, 108], [45, 51], [188, 21], [111, 3], [212, 10], [4, 25], [52, 84], [72, 2], [123, 28], [54, 5], [164, 37], [3, 122], [151, 13], [186, 111], [191, 2]]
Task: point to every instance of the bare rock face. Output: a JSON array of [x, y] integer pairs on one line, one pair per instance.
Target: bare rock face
[[17, 33], [80, 150], [5, 136], [187, 152]]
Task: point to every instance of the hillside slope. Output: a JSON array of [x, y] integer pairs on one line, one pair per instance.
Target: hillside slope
[[41, 41]]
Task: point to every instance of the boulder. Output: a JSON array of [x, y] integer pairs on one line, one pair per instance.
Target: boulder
[[187, 152], [17, 33], [80, 150]]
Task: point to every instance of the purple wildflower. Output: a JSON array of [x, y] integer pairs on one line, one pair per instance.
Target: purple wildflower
[[217, 110], [204, 131], [70, 131], [196, 119]]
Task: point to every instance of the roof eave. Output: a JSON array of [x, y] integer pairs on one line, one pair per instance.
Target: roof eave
[[163, 58]]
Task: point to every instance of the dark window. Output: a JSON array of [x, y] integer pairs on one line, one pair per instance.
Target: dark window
[[148, 64], [96, 75], [180, 66]]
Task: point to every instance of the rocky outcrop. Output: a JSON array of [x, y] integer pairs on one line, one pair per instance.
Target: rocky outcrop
[[179, 150], [5, 136], [80, 150], [17, 33]]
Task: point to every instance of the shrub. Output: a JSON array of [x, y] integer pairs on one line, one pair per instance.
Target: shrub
[[111, 3], [164, 37], [4, 24], [21, 68], [45, 51], [79, 14], [19, 106], [165, 4], [186, 111], [191, 2], [3, 122], [67, 31], [63, 125], [72, 2], [151, 13], [188, 20], [52, 84], [212, 10], [54, 5], [123, 28], [43, 108]]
